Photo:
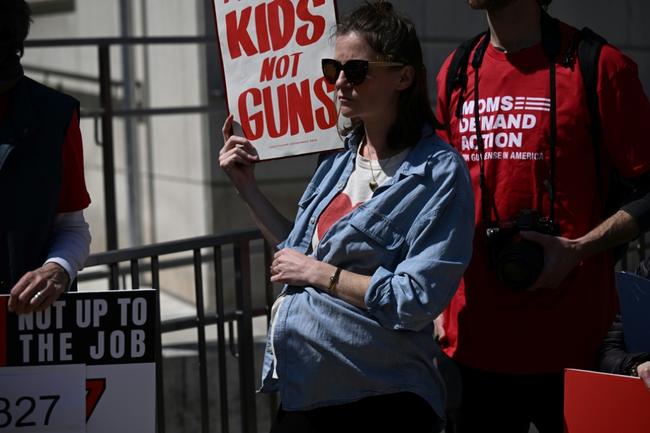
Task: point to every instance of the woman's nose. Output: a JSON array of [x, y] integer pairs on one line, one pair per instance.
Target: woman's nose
[[341, 80]]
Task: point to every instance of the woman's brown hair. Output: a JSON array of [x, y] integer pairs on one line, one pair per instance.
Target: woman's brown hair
[[393, 37]]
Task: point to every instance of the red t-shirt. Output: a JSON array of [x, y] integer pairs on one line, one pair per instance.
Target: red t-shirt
[[489, 326], [73, 196]]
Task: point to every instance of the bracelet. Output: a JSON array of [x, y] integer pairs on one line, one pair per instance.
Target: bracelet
[[334, 280], [633, 371]]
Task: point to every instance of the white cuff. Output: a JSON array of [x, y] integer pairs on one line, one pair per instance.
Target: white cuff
[[71, 271]]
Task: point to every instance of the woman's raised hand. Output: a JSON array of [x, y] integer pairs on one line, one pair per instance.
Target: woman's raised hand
[[237, 157]]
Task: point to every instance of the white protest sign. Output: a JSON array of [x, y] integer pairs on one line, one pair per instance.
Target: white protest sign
[[271, 53], [131, 395], [112, 334], [43, 400]]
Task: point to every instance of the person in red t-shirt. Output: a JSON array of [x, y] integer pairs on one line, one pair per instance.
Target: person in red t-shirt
[[513, 340], [36, 122]]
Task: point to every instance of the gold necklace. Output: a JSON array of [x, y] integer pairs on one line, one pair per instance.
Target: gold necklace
[[373, 183]]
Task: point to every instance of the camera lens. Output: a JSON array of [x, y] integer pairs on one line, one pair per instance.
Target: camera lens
[[519, 264]]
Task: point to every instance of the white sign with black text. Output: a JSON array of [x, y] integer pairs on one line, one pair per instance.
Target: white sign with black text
[[43, 400], [104, 342]]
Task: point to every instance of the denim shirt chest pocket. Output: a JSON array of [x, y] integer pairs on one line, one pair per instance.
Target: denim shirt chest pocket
[[379, 238]]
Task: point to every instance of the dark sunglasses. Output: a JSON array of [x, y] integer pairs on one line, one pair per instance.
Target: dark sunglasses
[[355, 70]]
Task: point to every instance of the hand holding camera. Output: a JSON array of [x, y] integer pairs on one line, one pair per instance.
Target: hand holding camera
[[561, 256], [526, 252]]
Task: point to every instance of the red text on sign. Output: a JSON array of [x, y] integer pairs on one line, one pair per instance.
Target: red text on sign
[[293, 101], [276, 23]]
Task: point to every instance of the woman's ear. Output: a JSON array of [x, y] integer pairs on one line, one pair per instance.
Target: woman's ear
[[406, 77]]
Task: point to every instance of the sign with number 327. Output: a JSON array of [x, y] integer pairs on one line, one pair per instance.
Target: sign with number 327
[[43, 400]]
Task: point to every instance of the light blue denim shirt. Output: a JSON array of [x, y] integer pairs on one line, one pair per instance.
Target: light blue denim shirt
[[414, 237]]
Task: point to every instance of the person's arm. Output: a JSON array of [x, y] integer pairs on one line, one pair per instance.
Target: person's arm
[[614, 358], [70, 245], [294, 268], [624, 226], [69, 249], [237, 158], [561, 254], [274, 226], [638, 206], [412, 295], [622, 101]]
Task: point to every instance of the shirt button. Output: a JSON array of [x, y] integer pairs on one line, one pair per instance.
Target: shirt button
[[340, 185], [312, 221]]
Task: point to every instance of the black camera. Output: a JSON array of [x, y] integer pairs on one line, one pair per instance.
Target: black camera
[[518, 262]]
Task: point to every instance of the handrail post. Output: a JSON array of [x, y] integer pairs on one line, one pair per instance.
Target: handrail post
[[221, 340], [200, 327], [160, 385], [245, 336], [108, 157], [270, 299]]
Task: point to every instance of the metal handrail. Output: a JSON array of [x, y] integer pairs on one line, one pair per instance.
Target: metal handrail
[[162, 40], [171, 247], [107, 41], [241, 317]]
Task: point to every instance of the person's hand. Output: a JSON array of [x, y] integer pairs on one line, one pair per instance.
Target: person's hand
[[439, 328], [561, 255], [237, 157], [38, 289], [293, 268], [643, 370]]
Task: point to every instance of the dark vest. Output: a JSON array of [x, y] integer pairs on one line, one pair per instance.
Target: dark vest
[[32, 134]]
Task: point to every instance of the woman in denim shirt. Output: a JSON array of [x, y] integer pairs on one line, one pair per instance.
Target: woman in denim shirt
[[382, 236]]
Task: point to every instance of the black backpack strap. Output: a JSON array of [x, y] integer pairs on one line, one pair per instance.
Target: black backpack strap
[[588, 54], [457, 72]]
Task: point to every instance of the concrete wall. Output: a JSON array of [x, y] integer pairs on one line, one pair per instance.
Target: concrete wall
[[165, 75]]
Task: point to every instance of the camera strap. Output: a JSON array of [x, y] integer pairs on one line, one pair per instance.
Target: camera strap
[[551, 44], [477, 60]]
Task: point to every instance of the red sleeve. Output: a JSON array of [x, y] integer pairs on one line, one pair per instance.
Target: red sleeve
[[442, 106], [624, 113], [74, 195]]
